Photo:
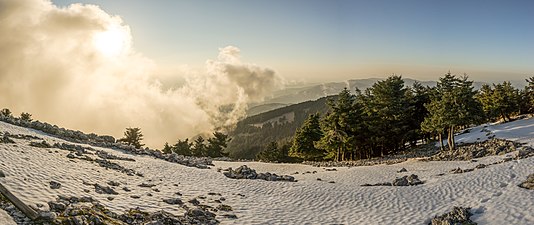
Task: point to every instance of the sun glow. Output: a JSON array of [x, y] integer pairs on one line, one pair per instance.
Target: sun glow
[[112, 42]]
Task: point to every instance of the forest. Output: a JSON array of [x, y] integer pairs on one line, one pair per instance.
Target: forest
[[384, 119]]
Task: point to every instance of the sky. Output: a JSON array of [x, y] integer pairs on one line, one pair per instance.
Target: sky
[[317, 41], [177, 69]]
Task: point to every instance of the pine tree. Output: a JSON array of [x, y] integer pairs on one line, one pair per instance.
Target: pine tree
[[305, 138], [133, 136], [183, 147], [388, 106], [418, 96], [453, 106], [529, 94], [217, 144], [199, 147], [336, 126], [167, 149], [271, 153], [5, 112], [26, 117]]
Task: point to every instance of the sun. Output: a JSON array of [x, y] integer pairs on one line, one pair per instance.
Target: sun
[[112, 42]]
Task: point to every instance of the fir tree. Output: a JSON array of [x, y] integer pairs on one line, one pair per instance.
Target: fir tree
[[183, 147], [305, 138], [217, 144], [133, 136], [199, 147]]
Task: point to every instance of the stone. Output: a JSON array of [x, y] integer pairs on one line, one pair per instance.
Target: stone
[[2, 174], [458, 215], [402, 170], [55, 185], [105, 190], [56, 206], [146, 185], [224, 207], [114, 183], [194, 201], [173, 201], [528, 183], [402, 181]]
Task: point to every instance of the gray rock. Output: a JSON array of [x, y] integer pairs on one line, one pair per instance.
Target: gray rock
[[458, 216], [529, 183], [402, 170], [2, 174], [56, 206], [173, 201], [105, 190], [54, 185]]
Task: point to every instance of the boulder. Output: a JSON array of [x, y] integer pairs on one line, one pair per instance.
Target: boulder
[[55, 185]]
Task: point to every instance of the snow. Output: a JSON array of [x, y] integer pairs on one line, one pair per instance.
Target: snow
[[5, 219], [492, 192]]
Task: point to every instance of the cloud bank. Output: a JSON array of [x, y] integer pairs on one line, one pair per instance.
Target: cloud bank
[[76, 67]]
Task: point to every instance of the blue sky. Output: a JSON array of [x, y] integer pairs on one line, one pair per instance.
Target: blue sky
[[337, 40]]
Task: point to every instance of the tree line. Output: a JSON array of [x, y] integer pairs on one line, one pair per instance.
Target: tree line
[[388, 117]]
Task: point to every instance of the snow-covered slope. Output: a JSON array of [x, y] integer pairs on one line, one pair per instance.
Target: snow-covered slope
[[492, 192]]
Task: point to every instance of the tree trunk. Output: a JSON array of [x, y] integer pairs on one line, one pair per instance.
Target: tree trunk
[[452, 138], [440, 141], [449, 138]]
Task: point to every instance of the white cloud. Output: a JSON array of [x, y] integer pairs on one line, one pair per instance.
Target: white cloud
[[75, 67]]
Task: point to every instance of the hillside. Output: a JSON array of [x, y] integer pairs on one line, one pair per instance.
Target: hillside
[[254, 132], [340, 195]]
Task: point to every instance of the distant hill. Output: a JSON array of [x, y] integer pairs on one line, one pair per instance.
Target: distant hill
[[255, 110], [254, 132]]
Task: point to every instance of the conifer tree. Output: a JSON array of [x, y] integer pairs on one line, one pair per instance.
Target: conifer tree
[[305, 138], [199, 147], [133, 136], [183, 147], [217, 144], [336, 126]]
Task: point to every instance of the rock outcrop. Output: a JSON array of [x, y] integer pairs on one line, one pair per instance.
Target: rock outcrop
[[244, 172]]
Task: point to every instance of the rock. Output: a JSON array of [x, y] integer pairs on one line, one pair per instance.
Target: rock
[[2, 174], [457, 170], [194, 201], [244, 172], [42, 144], [529, 183], [402, 170], [402, 181], [135, 196], [414, 180], [458, 216], [48, 216], [126, 189], [146, 185], [480, 166], [173, 201], [224, 207], [105, 190], [56, 206], [54, 185], [114, 183], [230, 216]]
